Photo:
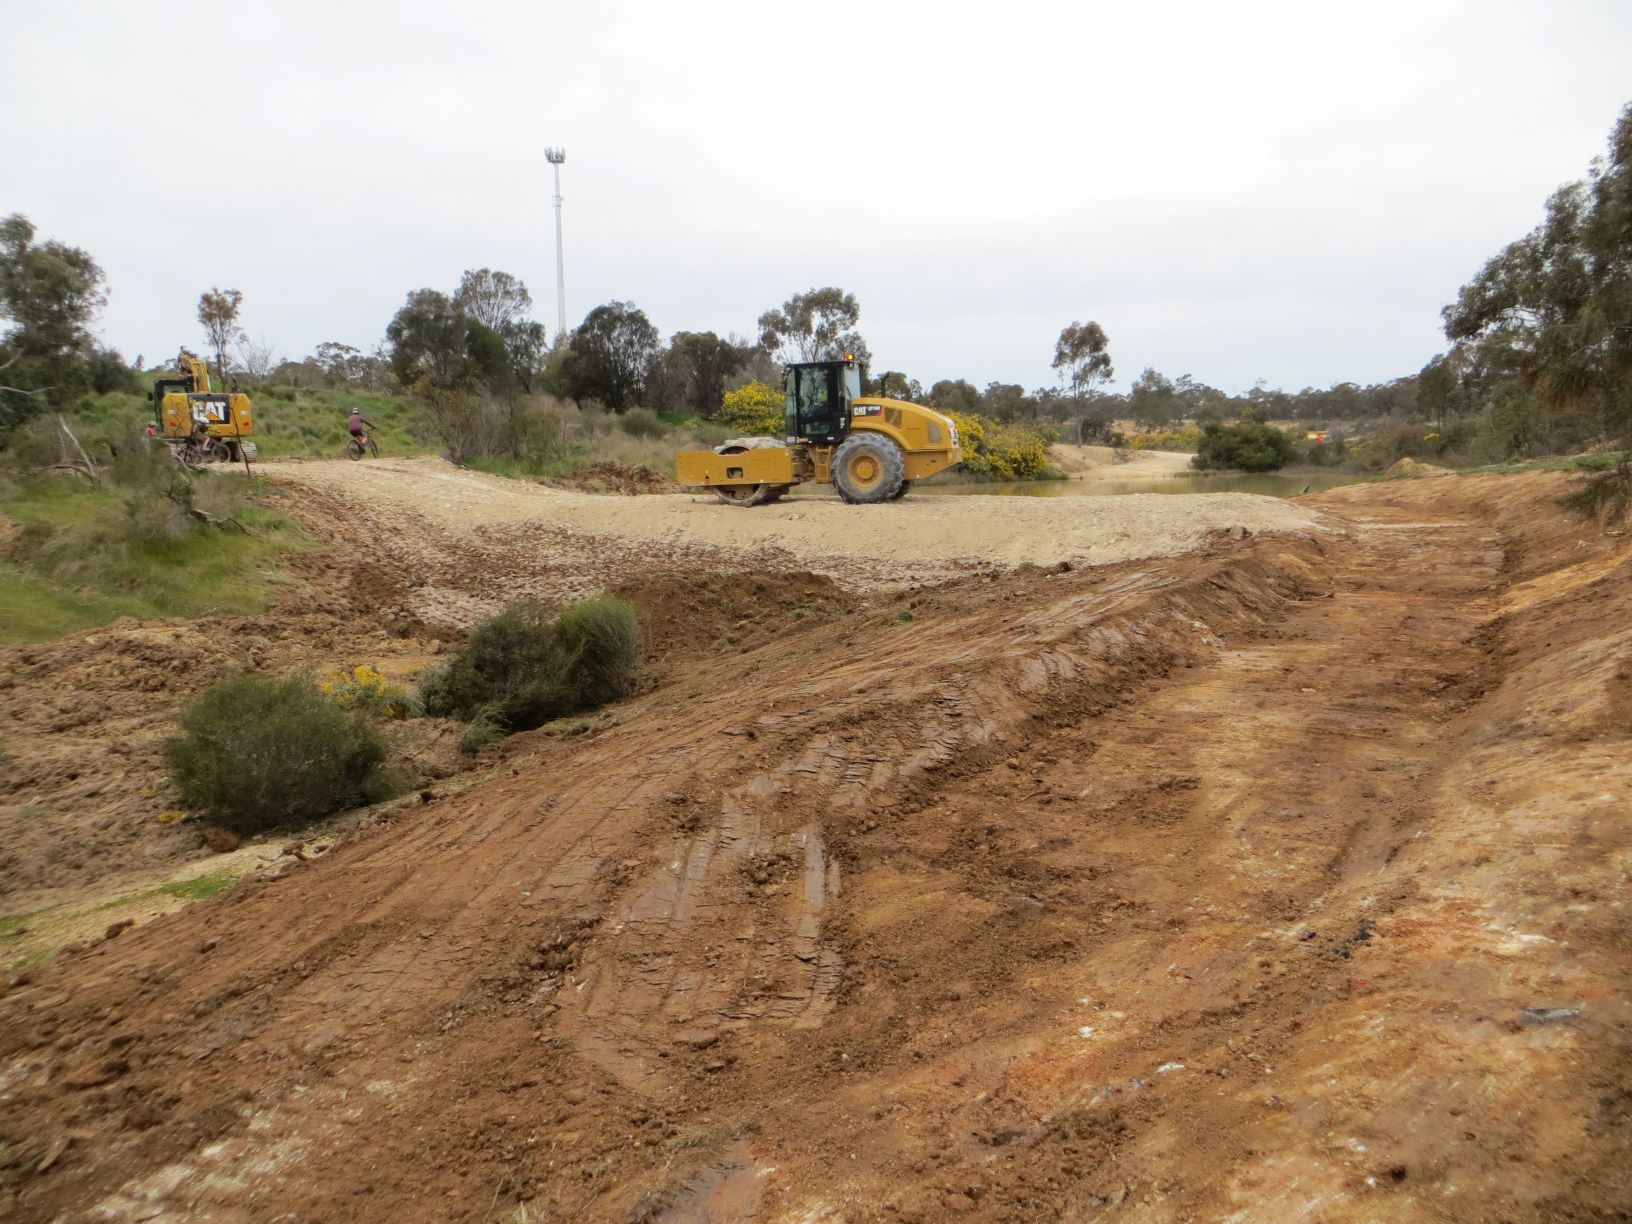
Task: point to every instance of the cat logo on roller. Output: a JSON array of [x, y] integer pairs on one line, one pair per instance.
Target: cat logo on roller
[[871, 449]]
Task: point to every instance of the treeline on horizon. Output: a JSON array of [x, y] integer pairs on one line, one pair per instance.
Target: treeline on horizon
[[617, 358], [1538, 355]]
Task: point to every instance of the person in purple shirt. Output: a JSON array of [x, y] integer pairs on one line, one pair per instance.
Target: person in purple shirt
[[357, 423]]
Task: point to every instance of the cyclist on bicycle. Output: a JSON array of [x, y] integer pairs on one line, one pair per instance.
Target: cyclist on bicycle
[[357, 423]]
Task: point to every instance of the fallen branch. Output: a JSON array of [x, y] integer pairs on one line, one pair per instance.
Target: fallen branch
[[57, 469]]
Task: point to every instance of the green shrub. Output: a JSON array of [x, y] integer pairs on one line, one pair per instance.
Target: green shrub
[[485, 728], [642, 423], [35, 444], [1168, 440], [526, 666], [1605, 495], [1515, 426], [1327, 454], [1247, 446], [512, 667], [602, 644], [1379, 451], [256, 753]]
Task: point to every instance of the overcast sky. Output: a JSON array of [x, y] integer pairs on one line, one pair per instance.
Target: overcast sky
[[1235, 191]]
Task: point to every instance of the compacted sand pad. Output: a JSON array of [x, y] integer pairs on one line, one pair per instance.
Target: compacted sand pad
[[915, 539]]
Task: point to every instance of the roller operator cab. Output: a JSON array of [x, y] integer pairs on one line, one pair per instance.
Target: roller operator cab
[[870, 448], [220, 424]]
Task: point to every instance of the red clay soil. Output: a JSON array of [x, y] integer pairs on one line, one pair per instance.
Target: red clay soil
[[1283, 880]]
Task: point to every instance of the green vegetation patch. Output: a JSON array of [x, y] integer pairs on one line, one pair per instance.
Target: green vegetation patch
[[529, 665], [257, 753], [1248, 445], [87, 555], [293, 421], [33, 938], [199, 887], [32, 610]]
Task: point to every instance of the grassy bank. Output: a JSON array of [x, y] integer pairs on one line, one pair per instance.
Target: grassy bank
[[310, 424], [30, 939], [79, 556]]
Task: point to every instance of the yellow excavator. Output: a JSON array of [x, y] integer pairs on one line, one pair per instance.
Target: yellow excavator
[[200, 425], [870, 448]]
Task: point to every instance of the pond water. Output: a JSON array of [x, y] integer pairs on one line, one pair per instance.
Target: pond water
[[1271, 484]]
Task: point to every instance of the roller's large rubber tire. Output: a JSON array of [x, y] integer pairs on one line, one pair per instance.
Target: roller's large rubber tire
[[906, 487], [757, 495], [868, 468]]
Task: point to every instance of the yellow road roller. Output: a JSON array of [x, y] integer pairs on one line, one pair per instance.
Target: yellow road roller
[[868, 447]]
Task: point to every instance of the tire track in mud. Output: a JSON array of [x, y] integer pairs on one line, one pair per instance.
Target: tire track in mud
[[684, 949], [1219, 1041], [1291, 894]]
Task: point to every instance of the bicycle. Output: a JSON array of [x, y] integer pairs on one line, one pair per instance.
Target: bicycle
[[362, 444], [194, 453]]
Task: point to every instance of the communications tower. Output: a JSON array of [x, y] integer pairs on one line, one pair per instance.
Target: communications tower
[[555, 157]]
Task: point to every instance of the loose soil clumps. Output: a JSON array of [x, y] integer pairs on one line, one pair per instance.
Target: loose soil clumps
[[611, 476]]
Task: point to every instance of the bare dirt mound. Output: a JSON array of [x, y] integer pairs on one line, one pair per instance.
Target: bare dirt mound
[[1103, 463], [1276, 881], [690, 615], [1408, 466]]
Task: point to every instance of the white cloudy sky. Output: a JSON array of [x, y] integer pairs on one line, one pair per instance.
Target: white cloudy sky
[[1278, 190]]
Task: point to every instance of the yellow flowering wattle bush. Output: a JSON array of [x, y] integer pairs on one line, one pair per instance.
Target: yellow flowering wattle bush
[[1167, 440], [971, 431], [366, 689], [754, 409], [1003, 452]]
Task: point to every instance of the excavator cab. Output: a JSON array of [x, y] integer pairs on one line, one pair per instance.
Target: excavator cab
[[820, 396]]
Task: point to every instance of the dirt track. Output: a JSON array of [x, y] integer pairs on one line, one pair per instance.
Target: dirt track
[[1278, 881]]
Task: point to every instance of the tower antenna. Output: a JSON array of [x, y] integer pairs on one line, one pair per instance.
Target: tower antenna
[[555, 157]]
